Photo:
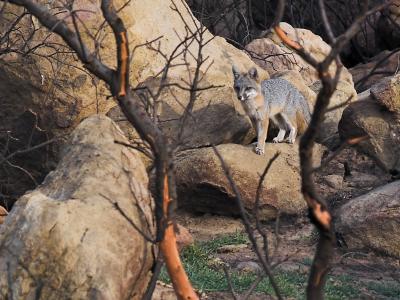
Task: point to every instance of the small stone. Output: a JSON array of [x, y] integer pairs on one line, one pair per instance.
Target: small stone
[[231, 248], [183, 237], [334, 181], [249, 267]]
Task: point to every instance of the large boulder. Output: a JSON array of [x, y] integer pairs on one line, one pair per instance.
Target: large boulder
[[271, 54], [57, 89], [372, 220], [376, 116], [217, 117], [203, 186], [72, 94], [66, 239], [378, 67]]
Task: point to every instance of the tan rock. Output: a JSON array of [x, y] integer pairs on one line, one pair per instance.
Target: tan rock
[[75, 95], [183, 237], [202, 184], [283, 58], [3, 214], [217, 117], [381, 65], [387, 92], [372, 220], [66, 239], [369, 118], [164, 292]]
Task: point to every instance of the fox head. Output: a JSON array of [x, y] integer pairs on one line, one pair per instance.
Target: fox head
[[246, 85]]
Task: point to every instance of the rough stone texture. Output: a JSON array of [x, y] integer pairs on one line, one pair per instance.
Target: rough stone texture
[[372, 220], [387, 92], [3, 214], [216, 112], [344, 93], [312, 43], [381, 65], [217, 117], [55, 87], [183, 237], [368, 117], [282, 58], [164, 292], [66, 240], [203, 186]]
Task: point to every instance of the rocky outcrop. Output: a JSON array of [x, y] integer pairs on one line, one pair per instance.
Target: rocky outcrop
[[372, 220], [271, 54], [67, 239], [381, 65], [54, 86], [203, 186], [376, 116], [278, 57], [217, 117]]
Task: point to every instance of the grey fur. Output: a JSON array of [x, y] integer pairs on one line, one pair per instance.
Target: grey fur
[[281, 102]]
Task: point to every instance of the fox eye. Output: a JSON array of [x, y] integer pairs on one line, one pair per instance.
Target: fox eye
[[248, 89], [236, 88]]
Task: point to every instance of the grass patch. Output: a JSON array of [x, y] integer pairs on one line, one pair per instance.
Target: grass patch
[[207, 276], [390, 290]]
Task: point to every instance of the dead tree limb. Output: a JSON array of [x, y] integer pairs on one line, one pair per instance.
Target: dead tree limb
[[319, 212]]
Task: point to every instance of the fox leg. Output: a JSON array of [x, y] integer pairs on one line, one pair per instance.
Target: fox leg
[[262, 130], [282, 129], [292, 128], [281, 135]]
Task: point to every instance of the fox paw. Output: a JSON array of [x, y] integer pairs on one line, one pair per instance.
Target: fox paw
[[276, 140], [259, 151], [291, 141]]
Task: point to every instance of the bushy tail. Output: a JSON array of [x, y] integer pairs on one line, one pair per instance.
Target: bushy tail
[[303, 116]]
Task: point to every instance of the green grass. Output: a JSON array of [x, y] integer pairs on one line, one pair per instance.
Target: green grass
[[390, 290], [208, 276]]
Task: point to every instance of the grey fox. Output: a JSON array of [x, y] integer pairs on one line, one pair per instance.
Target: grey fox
[[275, 99]]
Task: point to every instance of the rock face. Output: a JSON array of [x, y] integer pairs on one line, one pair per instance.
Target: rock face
[[217, 117], [202, 184], [312, 43], [373, 220], [55, 87], [387, 92], [381, 65], [66, 239], [367, 117], [271, 54]]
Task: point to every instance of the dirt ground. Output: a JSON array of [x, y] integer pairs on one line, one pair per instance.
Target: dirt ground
[[348, 175]]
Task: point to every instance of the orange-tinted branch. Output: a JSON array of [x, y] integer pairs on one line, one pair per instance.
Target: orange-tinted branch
[[123, 70], [180, 281], [283, 36]]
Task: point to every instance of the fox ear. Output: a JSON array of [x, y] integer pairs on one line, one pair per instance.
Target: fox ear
[[253, 73], [235, 71]]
